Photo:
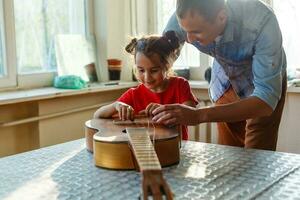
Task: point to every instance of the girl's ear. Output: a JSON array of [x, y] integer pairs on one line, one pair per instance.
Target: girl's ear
[[168, 66], [166, 69]]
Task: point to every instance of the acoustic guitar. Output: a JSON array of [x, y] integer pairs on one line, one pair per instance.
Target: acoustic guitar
[[109, 141], [128, 145]]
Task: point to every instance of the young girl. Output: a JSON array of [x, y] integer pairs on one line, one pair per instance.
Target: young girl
[[154, 56]]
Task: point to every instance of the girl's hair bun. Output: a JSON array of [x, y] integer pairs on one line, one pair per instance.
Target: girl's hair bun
[[130, 48], [172, 39]]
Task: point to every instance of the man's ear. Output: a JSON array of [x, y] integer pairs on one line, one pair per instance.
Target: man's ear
[[222, 16]]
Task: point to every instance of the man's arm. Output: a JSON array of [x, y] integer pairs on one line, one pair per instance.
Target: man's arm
[[251, 107], [268, 62]]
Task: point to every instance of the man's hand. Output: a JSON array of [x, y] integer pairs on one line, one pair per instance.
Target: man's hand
[[149, 109], [125, 111], [173, 114]]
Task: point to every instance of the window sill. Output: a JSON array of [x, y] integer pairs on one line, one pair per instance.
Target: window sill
[[18, 96], [198, 84], [293, 89]]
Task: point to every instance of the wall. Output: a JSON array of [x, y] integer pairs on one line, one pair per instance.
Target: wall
[[289, 131]]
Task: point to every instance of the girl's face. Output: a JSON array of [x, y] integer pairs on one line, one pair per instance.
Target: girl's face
[[151, 74]]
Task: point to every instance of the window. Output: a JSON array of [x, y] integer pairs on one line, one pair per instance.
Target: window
[[37, 23], [28, 31], [288, 15], [189, 55]]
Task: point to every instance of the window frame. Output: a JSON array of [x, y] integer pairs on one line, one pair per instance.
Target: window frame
[[9, 51], [13, 80]]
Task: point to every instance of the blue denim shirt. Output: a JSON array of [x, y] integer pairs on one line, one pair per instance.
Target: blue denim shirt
[[248, 56]]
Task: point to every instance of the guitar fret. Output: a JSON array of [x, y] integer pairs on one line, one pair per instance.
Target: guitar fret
[[151, 168], [151, 161], [156, 165], [144, 156], [143, 146], [143, 149], [137, 143], [148, 162]]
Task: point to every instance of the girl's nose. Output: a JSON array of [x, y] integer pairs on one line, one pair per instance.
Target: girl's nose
[[147, 76]]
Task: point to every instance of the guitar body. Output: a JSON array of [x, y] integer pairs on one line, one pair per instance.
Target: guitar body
[[110, 144]]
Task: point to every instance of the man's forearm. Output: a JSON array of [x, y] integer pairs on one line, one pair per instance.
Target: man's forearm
[[249, 108]]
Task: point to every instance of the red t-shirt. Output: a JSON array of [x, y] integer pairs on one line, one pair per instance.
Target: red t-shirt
[[178, 91]]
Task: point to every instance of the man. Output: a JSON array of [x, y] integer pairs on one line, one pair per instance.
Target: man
[[248, 80]]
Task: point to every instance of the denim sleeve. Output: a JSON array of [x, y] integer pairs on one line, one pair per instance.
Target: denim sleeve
[[173, 25], [268, 63]]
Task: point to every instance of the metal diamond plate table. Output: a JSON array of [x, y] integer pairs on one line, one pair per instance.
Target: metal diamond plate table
[[206, 171]]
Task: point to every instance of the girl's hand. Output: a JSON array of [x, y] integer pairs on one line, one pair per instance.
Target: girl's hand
[[149, 109], [125, 111]]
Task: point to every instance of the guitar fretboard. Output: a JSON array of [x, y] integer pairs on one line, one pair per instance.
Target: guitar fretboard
[[143, 149]]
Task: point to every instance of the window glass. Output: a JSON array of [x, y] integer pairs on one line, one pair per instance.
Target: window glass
[[189, 55], [37, 23]]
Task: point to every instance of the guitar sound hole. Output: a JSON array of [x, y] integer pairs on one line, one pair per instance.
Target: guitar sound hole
[[124, 131]]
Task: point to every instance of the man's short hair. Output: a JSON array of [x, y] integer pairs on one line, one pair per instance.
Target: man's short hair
[[205, 8]]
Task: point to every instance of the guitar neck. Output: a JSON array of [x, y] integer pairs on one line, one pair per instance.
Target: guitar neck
[[143, 149]]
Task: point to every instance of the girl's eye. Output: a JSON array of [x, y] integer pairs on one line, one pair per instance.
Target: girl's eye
[[155, 70], [141, 70]]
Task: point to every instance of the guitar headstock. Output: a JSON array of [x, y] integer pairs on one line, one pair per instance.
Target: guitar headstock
[[154, 185]]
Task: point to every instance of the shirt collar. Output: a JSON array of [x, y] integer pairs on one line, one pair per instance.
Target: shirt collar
[[227, 36]]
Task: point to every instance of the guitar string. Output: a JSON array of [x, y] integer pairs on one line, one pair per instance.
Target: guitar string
[[154, 131], [148, 132], [154, 134]]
